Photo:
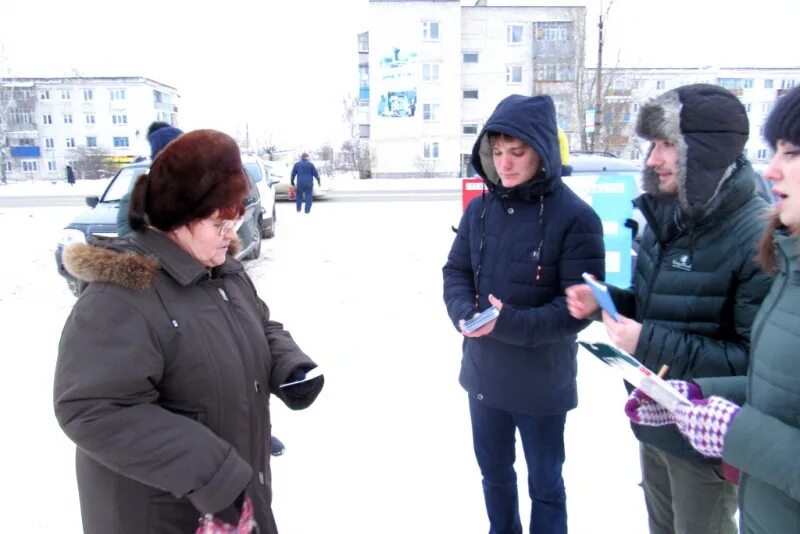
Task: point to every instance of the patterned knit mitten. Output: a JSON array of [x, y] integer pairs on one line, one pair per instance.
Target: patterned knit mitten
[[643, 410], [705, 424]]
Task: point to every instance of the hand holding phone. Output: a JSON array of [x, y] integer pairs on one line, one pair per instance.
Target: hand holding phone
[[489, 314]]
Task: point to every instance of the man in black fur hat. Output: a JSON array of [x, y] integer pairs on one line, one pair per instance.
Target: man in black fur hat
[[696, 288]]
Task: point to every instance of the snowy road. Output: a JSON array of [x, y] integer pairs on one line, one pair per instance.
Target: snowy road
[[387, 447]]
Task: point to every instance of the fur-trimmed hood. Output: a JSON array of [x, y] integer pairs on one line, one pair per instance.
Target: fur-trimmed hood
[[134, 264], [709, 127]]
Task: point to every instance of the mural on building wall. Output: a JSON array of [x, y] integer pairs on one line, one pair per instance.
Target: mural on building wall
[[395, 89]]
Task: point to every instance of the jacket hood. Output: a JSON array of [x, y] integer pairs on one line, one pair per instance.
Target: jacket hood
[[134, 264], [531, 119], [709, 127]]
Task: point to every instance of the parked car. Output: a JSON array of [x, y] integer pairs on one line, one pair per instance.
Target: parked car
[[261, 173], [284, 175], [100, 222]]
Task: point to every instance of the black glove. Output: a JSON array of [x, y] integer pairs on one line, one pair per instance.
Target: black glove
[[304, 388], [232, 513]]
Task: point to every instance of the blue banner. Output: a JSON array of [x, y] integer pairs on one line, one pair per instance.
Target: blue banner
[[610, 196]]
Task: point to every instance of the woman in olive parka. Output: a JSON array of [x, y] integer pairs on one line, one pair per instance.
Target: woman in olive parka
[[753, 422]]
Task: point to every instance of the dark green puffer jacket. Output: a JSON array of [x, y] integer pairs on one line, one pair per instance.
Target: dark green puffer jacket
[[763, 441], [696, 291]]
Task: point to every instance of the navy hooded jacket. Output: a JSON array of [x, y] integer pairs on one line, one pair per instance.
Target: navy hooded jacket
[[528, 362]]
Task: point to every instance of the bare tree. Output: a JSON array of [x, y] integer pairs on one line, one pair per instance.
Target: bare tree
[[426, 167], [92, 163], [355, 150]]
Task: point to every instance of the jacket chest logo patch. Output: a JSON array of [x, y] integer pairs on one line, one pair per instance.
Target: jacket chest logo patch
[[684, 263]]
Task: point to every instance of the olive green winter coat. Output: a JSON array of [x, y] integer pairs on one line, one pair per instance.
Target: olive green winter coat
[[763, 441], [163, 381]]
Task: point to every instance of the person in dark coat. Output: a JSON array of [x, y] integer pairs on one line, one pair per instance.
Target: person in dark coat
[[168, 360], [159, 134], [751, 422], [305, 172], [518, 247], [70, 175], [696, 287]]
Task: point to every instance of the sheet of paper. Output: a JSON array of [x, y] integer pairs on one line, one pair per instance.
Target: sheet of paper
[[637, 374]]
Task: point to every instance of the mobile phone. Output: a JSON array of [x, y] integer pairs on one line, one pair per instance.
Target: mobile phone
[[478, 321]]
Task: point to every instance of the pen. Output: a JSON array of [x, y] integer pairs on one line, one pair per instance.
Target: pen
[[663, 371]]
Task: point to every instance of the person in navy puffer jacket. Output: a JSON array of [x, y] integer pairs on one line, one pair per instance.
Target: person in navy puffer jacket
[[305, 172], [518, 247]]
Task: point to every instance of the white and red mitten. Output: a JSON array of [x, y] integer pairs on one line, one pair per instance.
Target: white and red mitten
[[211, 525], [643, 410], [705, 424]]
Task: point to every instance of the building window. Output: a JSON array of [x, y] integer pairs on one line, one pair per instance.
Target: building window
[[470, 94], [20, 116], [44, 94], [9, 167], [30, 165], [91, 142], [66, 94], [67, 118], [49, 142], [469, 129], [553, 31], [70, 142], [430, 72], [430, 112], [513, 73], [514, 33], [766, 107], [117, 94], [768, 84], [47, 119], [660, 84], [430, 30], [120, 142], [430, 150], [635, 107], [470, 57], [747, 83], [554, 72], [88, 95], [748, 107], [363, 42], [762, 153], [788, 84], [90, 118], [119, 119], [51, 166], [24, 141]]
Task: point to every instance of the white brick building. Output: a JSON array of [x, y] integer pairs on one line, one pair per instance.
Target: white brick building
[[46, 122], [432, 71]]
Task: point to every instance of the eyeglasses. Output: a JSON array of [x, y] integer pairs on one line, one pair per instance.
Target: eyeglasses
[[227, 225]]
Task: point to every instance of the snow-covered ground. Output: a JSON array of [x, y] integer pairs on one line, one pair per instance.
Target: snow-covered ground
[[386, 448]]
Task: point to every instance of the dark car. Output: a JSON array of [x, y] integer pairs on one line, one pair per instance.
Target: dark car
[[100, 222]]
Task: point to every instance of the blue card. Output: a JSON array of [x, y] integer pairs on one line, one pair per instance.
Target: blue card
[[602, 295]]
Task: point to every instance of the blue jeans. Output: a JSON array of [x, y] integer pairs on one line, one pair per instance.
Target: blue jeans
[[493, 437], [307, 192]]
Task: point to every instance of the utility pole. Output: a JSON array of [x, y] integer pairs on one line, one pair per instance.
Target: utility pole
[[598, 95]]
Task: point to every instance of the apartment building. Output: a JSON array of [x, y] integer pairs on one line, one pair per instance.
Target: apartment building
[[432, 71], [627, 88], [46, 123]]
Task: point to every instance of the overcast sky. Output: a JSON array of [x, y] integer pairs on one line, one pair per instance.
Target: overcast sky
[[282, 67]]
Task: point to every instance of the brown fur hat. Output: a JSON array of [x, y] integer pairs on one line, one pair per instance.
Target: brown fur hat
[[195, 175]]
